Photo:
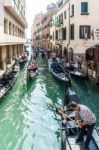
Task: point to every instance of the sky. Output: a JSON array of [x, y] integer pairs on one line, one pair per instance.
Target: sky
[[33, 8]]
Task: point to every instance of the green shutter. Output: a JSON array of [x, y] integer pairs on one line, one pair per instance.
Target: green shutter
[[55, 22]]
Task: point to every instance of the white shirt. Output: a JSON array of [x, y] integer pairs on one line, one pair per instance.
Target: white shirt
[[87, 115]]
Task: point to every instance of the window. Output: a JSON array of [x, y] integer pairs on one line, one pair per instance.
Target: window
[[13, 29], [84, 8], [72, 31], [18, 32], [64, 14], [10, 28], [61, 18], [85, 32], [56, 34], [5, 25], [50, 37], [47, 35], [64, 33], [72, 10], [60, 3]]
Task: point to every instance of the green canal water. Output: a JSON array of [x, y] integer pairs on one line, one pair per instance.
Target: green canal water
[[26, 122]]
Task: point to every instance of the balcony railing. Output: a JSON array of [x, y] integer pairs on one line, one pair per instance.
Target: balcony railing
[[56, 23]]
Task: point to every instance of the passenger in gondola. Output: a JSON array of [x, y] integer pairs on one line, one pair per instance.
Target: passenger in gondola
[[88, 121]]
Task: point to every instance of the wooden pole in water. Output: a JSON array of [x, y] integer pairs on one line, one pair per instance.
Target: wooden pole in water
[[85, 69], [97, 73], [92, 68]]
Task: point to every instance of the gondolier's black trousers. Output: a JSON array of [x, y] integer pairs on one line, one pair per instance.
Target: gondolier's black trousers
[[89, 130]]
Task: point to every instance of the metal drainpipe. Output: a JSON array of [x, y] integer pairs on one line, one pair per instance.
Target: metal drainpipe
[[69, 27]]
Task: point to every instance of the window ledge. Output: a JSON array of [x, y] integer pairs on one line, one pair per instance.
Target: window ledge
[[72, 15], [84, 13]]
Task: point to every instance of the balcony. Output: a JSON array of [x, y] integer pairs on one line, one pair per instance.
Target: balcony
[[56, 23], [12, 7], [59, 42]]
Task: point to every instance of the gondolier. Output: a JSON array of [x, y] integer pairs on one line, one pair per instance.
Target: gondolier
[[88, 120]]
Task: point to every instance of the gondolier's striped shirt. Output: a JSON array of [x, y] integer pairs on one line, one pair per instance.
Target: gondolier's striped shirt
[[87, 115]]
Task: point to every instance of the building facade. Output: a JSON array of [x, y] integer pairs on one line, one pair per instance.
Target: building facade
[[51, 10], [12, 32], [41, 28], [37, 31], [75, 27]]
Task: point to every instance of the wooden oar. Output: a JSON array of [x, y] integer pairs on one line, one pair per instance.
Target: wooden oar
[[59, 110], [62, 114]]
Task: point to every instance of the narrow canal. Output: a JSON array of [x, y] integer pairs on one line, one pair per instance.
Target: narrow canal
[[26, 122]]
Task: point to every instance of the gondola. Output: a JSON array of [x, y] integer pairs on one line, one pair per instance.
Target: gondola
[[32, 72], [69, 131], [8, 80], [75, 72], [57, 72], [23, 59]]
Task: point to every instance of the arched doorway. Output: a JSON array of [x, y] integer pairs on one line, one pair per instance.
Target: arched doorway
[[70, 55]]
